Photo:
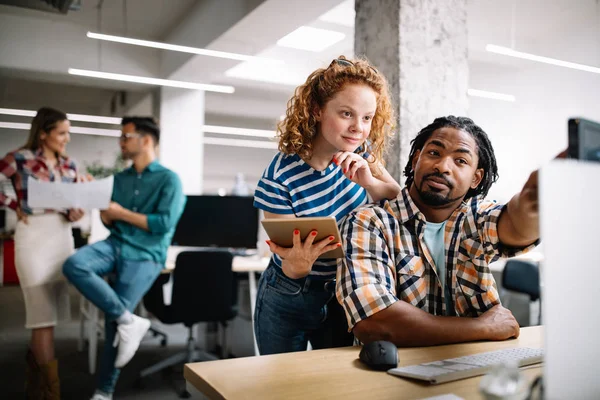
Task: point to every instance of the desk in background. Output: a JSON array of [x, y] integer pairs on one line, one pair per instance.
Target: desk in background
[[338, 374], [249, 265]]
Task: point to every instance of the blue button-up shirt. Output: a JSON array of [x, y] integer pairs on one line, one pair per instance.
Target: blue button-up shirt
[[157, 193]]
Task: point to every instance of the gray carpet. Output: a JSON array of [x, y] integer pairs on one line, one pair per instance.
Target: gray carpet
[[76, 382]]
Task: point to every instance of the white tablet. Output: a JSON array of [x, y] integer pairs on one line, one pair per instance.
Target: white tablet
[[281, 231]]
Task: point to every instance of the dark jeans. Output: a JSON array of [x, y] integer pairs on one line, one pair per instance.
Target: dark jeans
[[291, 312]]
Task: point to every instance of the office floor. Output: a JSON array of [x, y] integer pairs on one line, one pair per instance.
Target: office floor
[[76, 382]]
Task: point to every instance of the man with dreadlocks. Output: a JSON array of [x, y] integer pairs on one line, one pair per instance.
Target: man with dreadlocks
[[417, 265]]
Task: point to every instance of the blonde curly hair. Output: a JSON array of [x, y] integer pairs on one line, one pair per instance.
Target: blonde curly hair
[[298, 129]]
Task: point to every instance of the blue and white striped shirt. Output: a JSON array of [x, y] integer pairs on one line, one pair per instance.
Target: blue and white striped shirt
[[291, 186]]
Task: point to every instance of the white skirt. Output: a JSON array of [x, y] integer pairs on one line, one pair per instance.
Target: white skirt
[[41, 248]]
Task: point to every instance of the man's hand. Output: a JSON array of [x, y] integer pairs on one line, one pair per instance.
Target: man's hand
[[113, 212], [299, 259], [75, 214], [499, 323]]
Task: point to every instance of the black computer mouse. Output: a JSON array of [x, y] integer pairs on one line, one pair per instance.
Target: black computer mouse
[[379, 355]]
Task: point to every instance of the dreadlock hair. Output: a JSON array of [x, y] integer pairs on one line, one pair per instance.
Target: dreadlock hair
[[485, 151]]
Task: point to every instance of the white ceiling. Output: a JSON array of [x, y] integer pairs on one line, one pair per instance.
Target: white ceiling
[[565, 29], [148, 19]]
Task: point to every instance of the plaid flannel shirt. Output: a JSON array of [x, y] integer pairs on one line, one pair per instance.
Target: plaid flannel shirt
[[17, 166], [387, 259]]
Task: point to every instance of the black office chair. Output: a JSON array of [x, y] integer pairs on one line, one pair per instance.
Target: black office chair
[[204, 290], [523, 277]]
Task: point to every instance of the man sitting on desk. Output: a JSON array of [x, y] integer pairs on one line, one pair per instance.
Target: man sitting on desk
[[431, 246], [147, 201]]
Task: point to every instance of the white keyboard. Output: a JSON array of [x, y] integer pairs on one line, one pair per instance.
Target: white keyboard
[[465, 367]]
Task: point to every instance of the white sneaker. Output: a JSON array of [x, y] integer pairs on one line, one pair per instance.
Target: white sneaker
[[100, 396], [128, 339]]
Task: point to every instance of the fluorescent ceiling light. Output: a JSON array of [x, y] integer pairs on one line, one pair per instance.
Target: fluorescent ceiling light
[[95, 118], [15, 125], [74, 129], [95, 131], [229, 130], [311, 39], [207, 140], [342, 14], [20, 113], [73, 117], [152, 81], [546, 60], [183, 49], [290, 76], [240, 143], [491, 95]]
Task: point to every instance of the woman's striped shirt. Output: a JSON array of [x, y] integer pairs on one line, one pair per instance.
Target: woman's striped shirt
[[291, 186]]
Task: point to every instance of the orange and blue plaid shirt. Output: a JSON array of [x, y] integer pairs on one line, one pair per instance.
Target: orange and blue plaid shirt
[[17, 166], [387, 259]]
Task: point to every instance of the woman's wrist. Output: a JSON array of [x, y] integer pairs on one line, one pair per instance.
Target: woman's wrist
[[294, 272]]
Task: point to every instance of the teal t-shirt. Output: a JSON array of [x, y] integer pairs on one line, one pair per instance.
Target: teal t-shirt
[[156, 192], [434, 239]]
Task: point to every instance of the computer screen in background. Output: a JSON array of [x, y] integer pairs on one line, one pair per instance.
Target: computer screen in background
[[218, 221], [584, 139]]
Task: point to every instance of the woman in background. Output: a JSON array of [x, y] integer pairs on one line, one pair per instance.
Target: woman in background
[[329, 163], [43, 241]]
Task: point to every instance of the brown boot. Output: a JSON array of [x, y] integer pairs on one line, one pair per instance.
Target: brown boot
[[50, 381], [33, 378]]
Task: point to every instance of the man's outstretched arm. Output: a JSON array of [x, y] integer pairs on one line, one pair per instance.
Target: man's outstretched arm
[[407, 326]]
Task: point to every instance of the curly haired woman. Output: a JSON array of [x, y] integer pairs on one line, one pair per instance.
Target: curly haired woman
[[331, 145]]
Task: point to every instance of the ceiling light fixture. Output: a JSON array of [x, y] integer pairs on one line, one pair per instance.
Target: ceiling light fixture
[[207, 140], [74, 129], [229, 130], [73, 117], [152, 81], [240, 143], [491, 95], [310, 39], [182, 49], [492, 48]]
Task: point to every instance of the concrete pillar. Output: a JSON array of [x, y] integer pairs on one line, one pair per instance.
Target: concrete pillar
[[181, 142], [421, 48]]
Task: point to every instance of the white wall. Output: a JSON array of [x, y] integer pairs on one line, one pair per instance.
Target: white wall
[[532, 130]]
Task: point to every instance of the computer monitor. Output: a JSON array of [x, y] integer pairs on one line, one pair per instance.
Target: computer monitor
[[218, 221], [569, 220], [584, 139]]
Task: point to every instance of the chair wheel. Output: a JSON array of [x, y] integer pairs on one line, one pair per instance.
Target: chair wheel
[[185, 395], [163, 342]]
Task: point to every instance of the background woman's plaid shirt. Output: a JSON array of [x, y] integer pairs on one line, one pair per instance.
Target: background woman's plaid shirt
[[387, 259], [19, 165]]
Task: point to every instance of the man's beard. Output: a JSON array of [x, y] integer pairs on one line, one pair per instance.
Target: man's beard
[[434, 198], [129, 155]]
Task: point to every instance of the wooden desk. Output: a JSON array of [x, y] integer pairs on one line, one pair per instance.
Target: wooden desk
[[338, 374]]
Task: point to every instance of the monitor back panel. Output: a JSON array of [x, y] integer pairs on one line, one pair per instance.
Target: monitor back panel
[[570, 229]]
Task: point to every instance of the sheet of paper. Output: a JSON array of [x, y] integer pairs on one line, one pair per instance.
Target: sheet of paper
[[60, 195]]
